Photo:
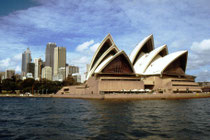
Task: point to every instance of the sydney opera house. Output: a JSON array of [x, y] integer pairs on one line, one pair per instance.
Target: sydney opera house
[[146, 69]]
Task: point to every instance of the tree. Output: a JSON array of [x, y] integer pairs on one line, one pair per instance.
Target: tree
[[69, 81], [0, 87], [8, 85], [27, 84]]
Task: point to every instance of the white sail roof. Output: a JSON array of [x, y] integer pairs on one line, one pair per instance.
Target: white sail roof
[[159, 65], [112, 48], [103, 64], [138, 48], [111, 58], [96, 56], [143, 63]]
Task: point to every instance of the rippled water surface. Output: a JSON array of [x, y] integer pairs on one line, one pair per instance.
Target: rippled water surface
[[60, 119]]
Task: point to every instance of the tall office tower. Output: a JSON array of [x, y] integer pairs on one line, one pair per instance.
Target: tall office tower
[[47, 72], [49, 55], [9, 74], [2, 76], [26, 58], [30, 69], [71, 69], [59, 59], [38, 68]]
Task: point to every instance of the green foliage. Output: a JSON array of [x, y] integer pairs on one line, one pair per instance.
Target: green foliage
[[69, 81], [43, 86], [0, 87], [8, 85]]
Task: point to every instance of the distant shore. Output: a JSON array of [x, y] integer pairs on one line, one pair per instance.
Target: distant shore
[[117, 96]]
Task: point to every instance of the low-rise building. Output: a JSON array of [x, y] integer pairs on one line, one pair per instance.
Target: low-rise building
[[9, 74]]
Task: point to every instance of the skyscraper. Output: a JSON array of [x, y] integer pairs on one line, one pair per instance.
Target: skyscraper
[[26, 58], [49, 55], [59, 59], [38, 68], [30, 69]]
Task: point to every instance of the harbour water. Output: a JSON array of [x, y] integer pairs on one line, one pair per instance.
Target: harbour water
[[56, 118]]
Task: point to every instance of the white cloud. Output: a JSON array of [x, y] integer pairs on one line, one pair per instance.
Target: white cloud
[[5, 62], [199, 59], [204, 75], [178, 43], [94, 47], [201, 47], [17, 69], [84, 45], [18, 57], [200, 54], [79, 59], [11, 63]]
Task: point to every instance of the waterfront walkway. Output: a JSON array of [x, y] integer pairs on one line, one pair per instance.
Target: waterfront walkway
[[118, 96]]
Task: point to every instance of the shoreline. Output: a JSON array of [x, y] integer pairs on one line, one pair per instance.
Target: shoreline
[[116, 96]]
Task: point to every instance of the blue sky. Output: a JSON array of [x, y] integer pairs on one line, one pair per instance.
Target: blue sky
[[80, 25]]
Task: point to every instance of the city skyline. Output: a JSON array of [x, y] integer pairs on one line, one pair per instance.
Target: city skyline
[[81, 26]]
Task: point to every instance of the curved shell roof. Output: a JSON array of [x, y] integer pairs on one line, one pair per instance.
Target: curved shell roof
[[110, 59], [108, 53], [159, 65], [137, 49], [105, 45], [144, 59], [143, 63]]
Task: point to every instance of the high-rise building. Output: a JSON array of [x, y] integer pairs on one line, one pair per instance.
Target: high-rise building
[[26, 58], [77, 77], [87, 70], [71, 69], [2, 76], [38, 68], [49, 55], [59, 59], [62, 73], [9, 74], [47, 73], [30, 68]]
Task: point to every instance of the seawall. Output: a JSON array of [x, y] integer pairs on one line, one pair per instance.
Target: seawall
[[118, 96], [135, 96]]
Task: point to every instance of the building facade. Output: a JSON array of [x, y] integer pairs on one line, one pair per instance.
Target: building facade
[[49, 54], [2, 76], [71, 69], [77, 77], [26, 58], [38, 68], [9, 74], [47, 73], [59, 59], [31, 69]]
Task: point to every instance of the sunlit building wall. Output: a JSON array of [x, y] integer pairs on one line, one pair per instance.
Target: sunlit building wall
[[26, 58], [47, 73]]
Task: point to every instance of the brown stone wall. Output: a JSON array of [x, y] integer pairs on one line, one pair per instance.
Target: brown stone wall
[[92, 85], [119, 83], [169, 84]]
